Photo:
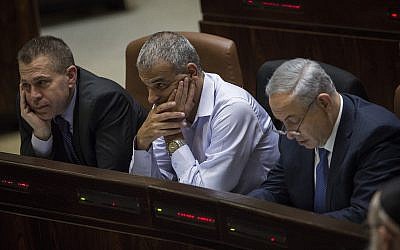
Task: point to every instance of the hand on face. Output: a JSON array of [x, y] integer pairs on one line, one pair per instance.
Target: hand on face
[[184, 96], [41, 128], [161, 121]]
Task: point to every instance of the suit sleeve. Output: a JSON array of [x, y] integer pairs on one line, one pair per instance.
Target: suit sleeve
[[117, 119], [378, 162]]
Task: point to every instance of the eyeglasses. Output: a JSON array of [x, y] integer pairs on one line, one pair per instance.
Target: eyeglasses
[[285, 131]]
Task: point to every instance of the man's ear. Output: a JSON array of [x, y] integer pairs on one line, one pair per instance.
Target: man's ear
[[192, 69], [324, 101], [72, 74]]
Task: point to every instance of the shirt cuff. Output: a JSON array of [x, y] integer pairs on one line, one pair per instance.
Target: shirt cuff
[[182, 160], [42, 148], [140, 163]]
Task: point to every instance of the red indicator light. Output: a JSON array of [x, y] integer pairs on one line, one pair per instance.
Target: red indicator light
[[205, 219], [282, 5], [394, 15], [198, 218], [250, 1], [291, 6], [270, 4], [23, 185], [185, 215], [272, 239], [113, 204]]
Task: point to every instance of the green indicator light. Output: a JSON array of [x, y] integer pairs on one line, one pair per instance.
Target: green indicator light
[[159, 210], [232, 229], [83, 198]]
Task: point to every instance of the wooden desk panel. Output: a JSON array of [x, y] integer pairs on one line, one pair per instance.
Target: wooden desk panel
[[357, 36], [41, 208]]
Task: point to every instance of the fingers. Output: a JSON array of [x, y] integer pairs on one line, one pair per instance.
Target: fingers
[[171, 97], [179, 93], [185, 88], [24, 107], [164, 107], [190, 96]]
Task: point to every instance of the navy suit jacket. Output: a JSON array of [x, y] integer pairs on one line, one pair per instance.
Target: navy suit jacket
[[106, 119], [365, 155]]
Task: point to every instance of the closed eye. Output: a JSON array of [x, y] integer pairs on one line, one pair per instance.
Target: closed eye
[[161, 85]]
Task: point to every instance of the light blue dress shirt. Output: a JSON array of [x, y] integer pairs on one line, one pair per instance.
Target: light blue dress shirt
[[230, 145]]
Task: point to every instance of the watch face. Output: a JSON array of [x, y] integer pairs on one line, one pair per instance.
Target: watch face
[[174, 145]]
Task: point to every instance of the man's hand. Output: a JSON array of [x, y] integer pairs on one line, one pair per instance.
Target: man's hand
[[41, 128], [161, 121], [184, 96]]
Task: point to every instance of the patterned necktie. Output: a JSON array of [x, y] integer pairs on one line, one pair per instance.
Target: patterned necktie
[[66, 134], [321, 181]]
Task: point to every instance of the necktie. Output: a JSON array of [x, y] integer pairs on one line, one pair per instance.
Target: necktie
[[321, 181], [66, 134]]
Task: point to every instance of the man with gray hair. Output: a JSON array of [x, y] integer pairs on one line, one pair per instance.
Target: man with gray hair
[[384, 218], [202, 130], [336, 149]]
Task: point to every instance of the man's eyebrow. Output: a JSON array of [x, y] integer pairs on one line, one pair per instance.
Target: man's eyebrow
[[38, 78], [157, 79]]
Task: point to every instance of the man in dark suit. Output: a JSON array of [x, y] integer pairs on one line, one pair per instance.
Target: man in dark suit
[[338, 148], [69, 114]]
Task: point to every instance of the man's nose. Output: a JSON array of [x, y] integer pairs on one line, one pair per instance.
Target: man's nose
[[35, 93], [153, 97]]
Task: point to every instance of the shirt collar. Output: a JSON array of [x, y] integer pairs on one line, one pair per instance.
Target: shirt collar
[[331, 140], [68, 115], [206, 104]]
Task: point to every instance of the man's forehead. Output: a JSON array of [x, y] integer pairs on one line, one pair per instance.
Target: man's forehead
[[283, 105]]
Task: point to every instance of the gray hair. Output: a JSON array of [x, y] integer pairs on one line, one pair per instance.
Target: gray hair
[[170, 47], [54, 48], [302, 78]]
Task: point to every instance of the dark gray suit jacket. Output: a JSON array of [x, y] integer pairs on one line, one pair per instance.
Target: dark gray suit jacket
[[366, 154], [106, 119]]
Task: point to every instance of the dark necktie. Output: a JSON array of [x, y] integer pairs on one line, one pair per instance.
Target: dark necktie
[[321, 181], [63, 125]]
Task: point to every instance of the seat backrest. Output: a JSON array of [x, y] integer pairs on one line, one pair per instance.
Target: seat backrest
[[217, 55], [344, 81], [397, 101]]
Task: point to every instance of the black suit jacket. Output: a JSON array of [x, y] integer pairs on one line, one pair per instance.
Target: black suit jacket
[[365, 155], [106, 119]]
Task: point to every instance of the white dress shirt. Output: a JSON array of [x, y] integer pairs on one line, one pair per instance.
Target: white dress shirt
[[230, 145], [330, 142]]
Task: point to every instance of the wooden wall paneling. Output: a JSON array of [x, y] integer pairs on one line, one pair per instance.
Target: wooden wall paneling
[[358, 36], [19, 22], [372, 60]]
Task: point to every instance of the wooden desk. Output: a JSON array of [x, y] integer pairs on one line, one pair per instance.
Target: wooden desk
[[52, 205], [361, 37]]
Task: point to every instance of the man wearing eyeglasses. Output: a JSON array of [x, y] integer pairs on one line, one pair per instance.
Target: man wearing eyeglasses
[[202, 130], [336, 149]]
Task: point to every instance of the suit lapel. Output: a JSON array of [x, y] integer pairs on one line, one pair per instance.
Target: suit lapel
[[76, 137], [308, 178], [342, 142]]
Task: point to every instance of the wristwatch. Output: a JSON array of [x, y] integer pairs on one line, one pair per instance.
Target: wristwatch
[[174, 145]]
